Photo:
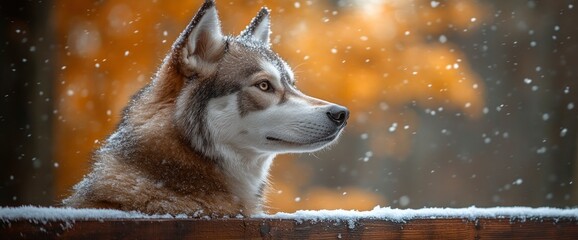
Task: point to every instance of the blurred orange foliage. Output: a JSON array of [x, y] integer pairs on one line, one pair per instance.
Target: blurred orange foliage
[[376, 57]]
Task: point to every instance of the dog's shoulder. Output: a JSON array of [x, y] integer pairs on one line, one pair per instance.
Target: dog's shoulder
[[155, 183]]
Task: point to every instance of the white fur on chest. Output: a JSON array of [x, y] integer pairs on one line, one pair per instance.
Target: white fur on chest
[[246, 168]]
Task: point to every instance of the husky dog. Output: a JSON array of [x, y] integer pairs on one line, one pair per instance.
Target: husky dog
[[201, 137]]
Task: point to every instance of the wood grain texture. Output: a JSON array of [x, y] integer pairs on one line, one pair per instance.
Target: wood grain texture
[[292, 229]]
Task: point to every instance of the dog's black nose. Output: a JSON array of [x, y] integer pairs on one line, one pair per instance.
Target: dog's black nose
[[338, 114]]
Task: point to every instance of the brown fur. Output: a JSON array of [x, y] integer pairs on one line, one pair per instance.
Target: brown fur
[[141, 182]]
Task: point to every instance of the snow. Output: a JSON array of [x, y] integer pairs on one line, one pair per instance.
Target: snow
[[54, 214], [545, 116], [403, 215], [527, 80], [563, 132], [350, 216], [393, 127], [404, 201]]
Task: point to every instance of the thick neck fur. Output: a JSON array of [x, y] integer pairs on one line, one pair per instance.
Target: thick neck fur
[[247, 174]]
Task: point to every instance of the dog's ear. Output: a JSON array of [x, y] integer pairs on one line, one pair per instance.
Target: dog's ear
[[259, 28], [201, 44]]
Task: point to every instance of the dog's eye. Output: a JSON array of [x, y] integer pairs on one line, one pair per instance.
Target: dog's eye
[[265, 86]]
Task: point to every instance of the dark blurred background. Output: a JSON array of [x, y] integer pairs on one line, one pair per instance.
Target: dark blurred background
[[454, 103]]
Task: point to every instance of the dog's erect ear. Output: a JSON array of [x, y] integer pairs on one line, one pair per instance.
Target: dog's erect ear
[[259, 28], [201, 44]]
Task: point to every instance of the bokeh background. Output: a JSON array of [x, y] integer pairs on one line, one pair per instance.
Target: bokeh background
[[454, 103]]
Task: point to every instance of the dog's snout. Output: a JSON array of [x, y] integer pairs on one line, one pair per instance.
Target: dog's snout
[[338, 114]]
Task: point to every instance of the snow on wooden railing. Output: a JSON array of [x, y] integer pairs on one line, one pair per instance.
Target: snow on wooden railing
[[381, 223]]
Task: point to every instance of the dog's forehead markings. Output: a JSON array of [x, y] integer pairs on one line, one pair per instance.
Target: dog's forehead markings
[[271, 69], [250, 71]]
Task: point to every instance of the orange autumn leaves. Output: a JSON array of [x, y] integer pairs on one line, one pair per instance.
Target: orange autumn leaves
[[375, 57], [365, 54]]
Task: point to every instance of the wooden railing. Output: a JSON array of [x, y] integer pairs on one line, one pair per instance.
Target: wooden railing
[[257, 228]]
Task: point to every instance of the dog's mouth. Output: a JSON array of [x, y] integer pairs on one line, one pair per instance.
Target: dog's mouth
[[314, 141]]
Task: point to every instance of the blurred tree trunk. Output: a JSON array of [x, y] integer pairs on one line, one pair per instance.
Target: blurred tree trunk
[[26, 103], [564, 132]]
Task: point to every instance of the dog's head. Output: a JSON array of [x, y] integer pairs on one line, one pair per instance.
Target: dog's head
[[236, 93]]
